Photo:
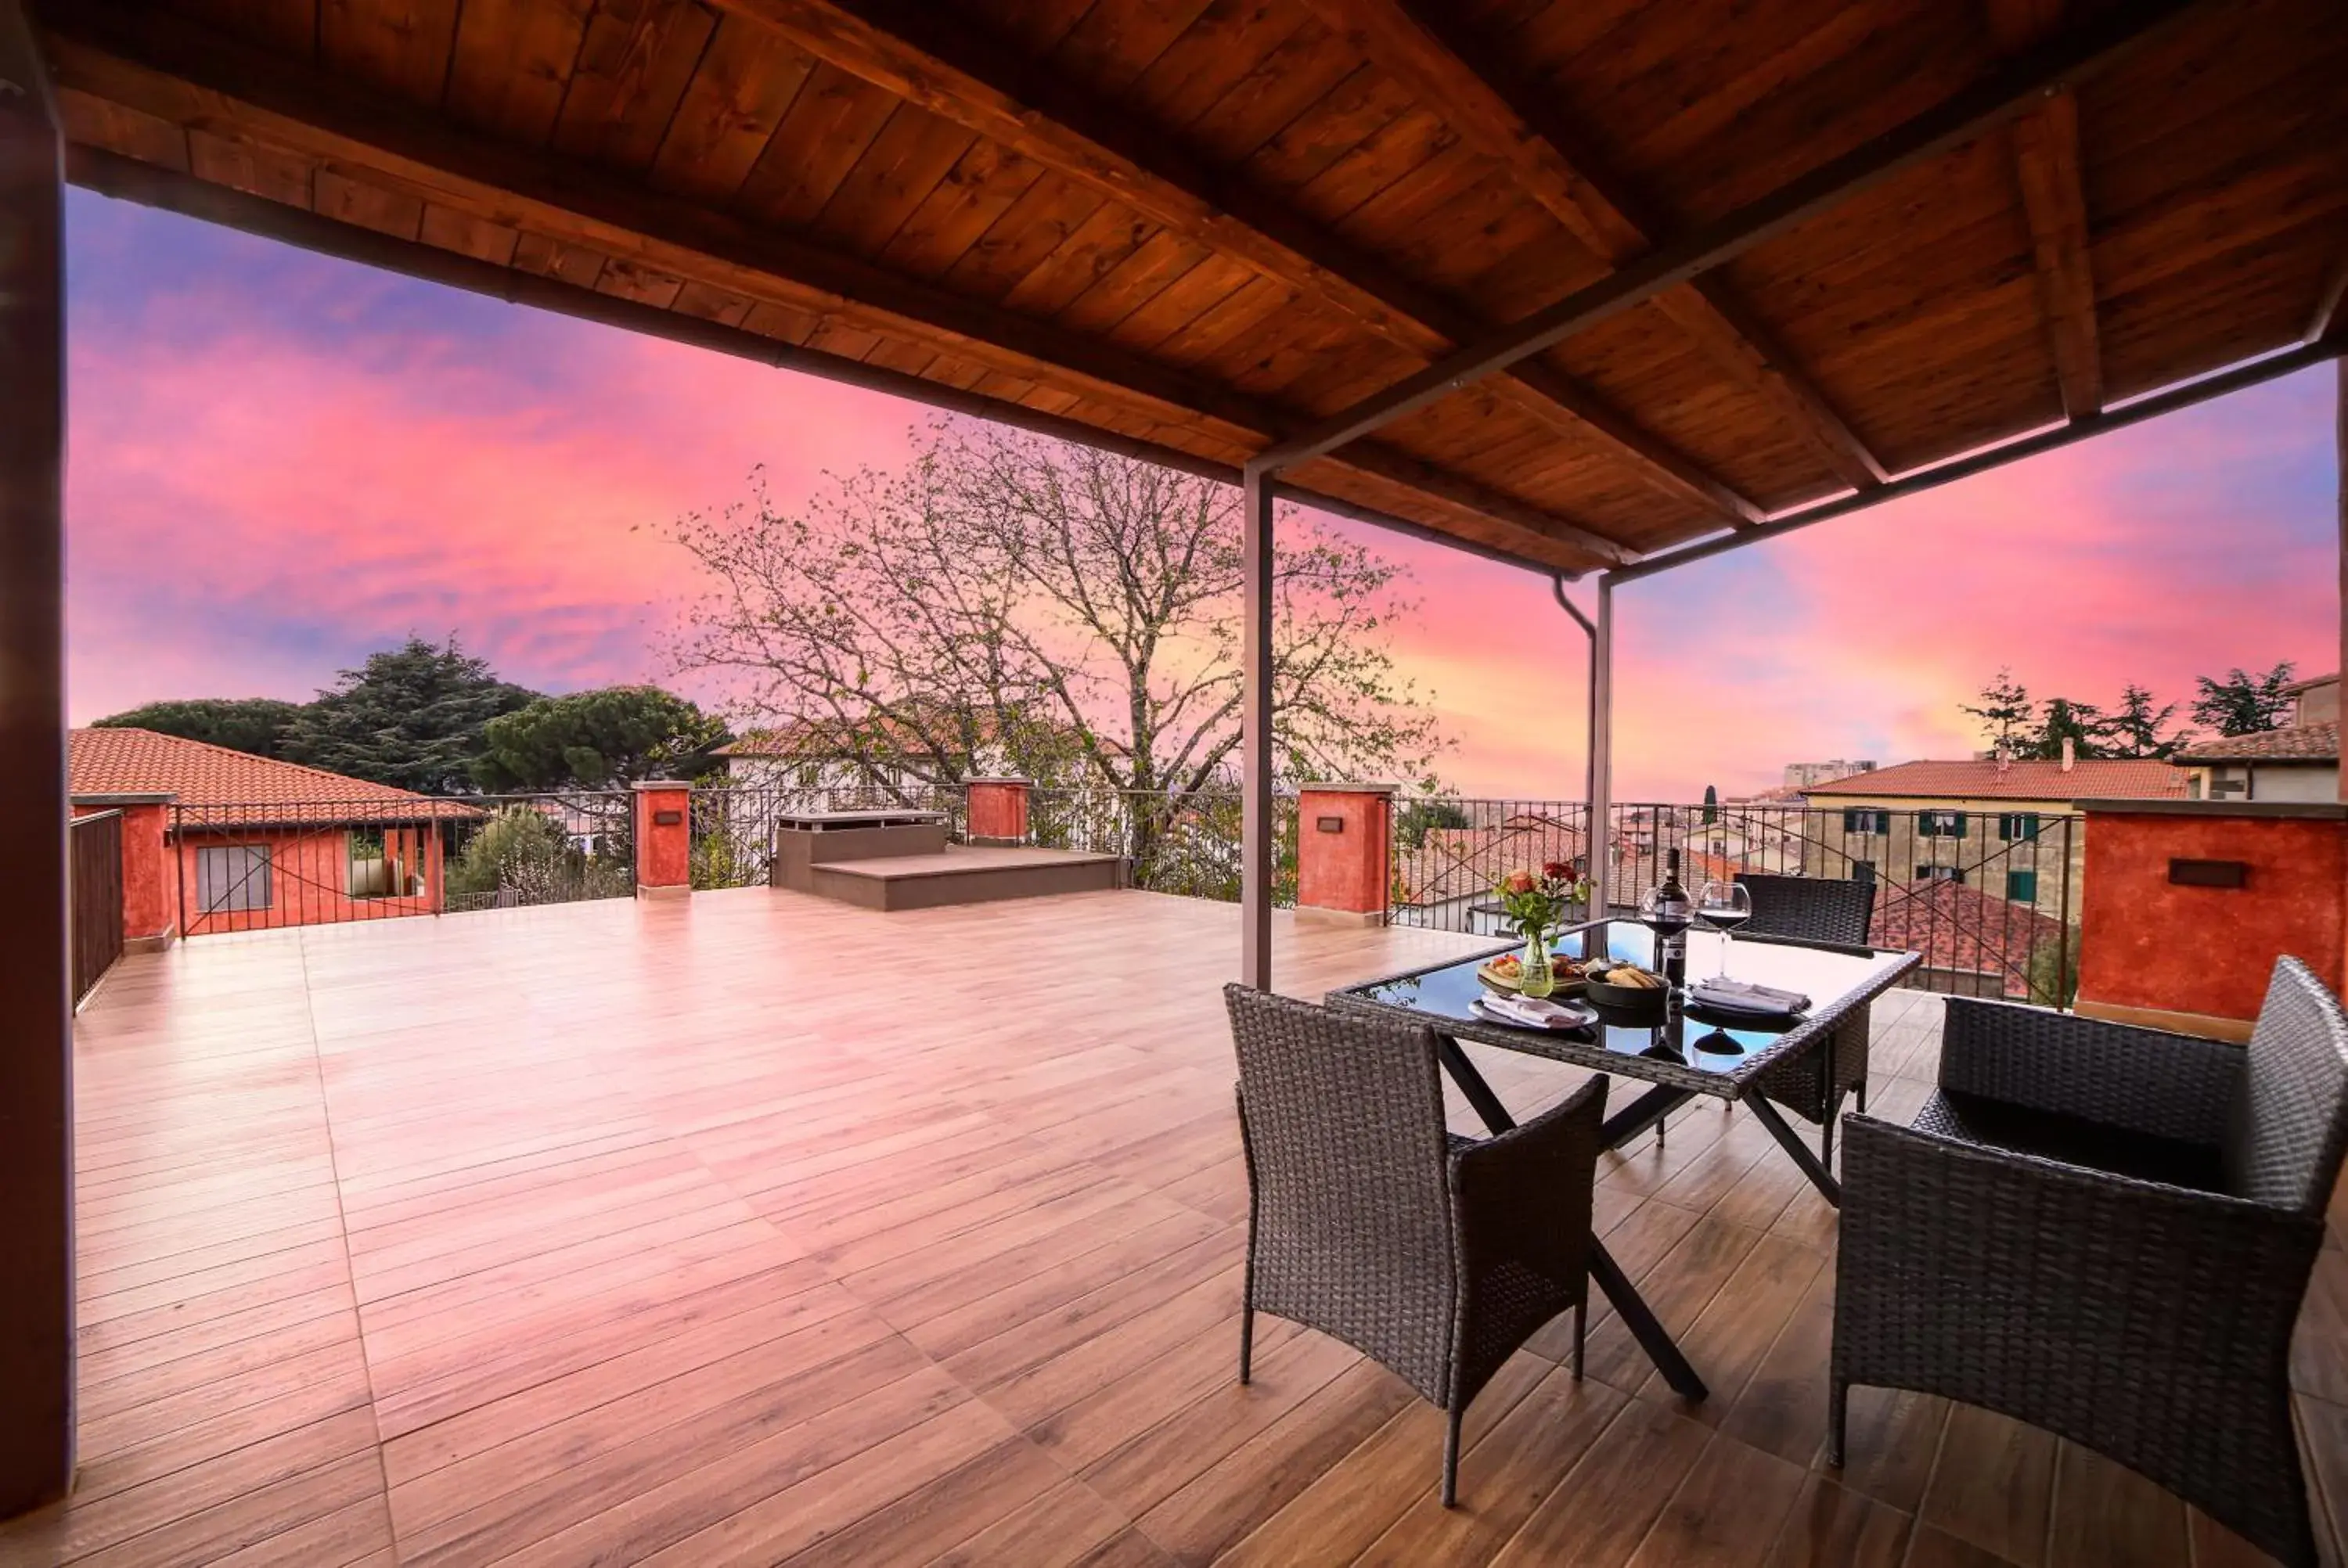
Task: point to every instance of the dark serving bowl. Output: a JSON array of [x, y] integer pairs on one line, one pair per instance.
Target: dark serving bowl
[[1627, 1004]]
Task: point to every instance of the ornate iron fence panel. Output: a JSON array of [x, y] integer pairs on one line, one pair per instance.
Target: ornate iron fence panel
[[257, 865]]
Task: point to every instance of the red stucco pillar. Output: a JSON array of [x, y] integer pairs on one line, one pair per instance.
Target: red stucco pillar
[[1344, 843], [150, 879], [997, 810], [663, 840]]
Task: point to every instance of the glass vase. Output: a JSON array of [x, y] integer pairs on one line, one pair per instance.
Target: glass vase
[[1537, 978]]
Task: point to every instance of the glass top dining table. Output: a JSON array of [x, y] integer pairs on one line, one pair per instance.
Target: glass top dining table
[[1706, 1052], [1680, 1050]]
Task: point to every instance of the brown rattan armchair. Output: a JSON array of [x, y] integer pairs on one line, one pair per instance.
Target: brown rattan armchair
[[1435, 1255], [1834, 911], [2108, 1232]]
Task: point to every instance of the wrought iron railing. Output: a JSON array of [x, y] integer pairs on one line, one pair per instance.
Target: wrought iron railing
[[733, 826], [254, 866], [1449, 851], [1186, 843], [1990, 898]]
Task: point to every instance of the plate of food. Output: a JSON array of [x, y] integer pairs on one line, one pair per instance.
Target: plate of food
[[1507, 973], [1626, 988]]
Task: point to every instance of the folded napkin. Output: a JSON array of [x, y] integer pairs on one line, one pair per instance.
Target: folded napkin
[[1532, 1012], [1743, 996]]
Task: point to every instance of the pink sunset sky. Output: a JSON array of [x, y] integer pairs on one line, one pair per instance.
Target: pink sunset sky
[[280, 462]]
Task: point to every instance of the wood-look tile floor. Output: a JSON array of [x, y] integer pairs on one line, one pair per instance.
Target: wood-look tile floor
[[762, 1229]]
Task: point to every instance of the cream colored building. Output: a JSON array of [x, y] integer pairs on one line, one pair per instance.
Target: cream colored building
[[2300, 762], [2010, 830]]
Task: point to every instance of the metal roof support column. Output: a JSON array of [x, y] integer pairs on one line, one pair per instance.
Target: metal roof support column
[[1255, 729], [36, 1260], [1593, 788], [1601, 752]]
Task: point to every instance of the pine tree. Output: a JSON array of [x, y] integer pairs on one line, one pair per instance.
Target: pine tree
[[254, 724], [2243, 705], [2004, 710], [2136, 730], [2081, 724], [411, 717]]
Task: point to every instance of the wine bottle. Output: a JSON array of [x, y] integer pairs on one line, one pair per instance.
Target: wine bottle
[[1673, 911]]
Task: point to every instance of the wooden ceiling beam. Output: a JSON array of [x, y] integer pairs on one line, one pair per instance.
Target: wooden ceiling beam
[[126, 179], [926, 55], [2328, 319], [2054, 203], [1963, 117], [182, 73], [1428, 46]]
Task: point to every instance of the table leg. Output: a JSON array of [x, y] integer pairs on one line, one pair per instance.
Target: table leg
[[1471, 1084], [1604, 1272], [1653, 1337], [1820, 1177], [1643, 1113]]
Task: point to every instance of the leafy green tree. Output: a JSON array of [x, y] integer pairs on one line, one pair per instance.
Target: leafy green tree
[[2081, 724], [2004, 710], [2244, 704], [1423, 816], [522, 856], [604, 739], [254, 724], [412, 717], [2141, 730], [1009, 600]]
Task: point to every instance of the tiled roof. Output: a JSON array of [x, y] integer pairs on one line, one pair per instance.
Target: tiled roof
[[1776, 794], [232, 786], [1962, 930], [2296, 687], [1986, 779], [2296, 744]]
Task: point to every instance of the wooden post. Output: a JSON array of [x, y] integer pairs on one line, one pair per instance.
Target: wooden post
[[37, 1252], [1255, 732], [2339, 485]]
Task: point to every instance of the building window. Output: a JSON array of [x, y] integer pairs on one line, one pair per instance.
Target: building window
[[232, 878], [2021, 824], [2021, 886], [1866, 819], [1939, 874], [1941, 824]]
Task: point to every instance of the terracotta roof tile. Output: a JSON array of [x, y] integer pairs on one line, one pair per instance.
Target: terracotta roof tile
[[2297, 743], [1985, 779], [143, 762], [1962, 930]]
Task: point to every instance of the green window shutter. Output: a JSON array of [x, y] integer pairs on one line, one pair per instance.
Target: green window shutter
[[2030, 824], [1957, 820], [2021, 886]]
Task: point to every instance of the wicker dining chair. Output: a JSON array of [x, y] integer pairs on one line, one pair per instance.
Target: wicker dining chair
[[2108, 1232], [1816, 909], [1435, 1255]]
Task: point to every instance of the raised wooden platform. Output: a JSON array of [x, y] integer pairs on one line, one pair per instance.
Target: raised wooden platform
[[962, 873]]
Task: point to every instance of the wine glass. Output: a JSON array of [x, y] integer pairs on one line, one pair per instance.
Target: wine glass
[[1721, 906]]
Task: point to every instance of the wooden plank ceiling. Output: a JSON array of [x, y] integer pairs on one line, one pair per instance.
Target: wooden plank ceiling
[[1204, 225]]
